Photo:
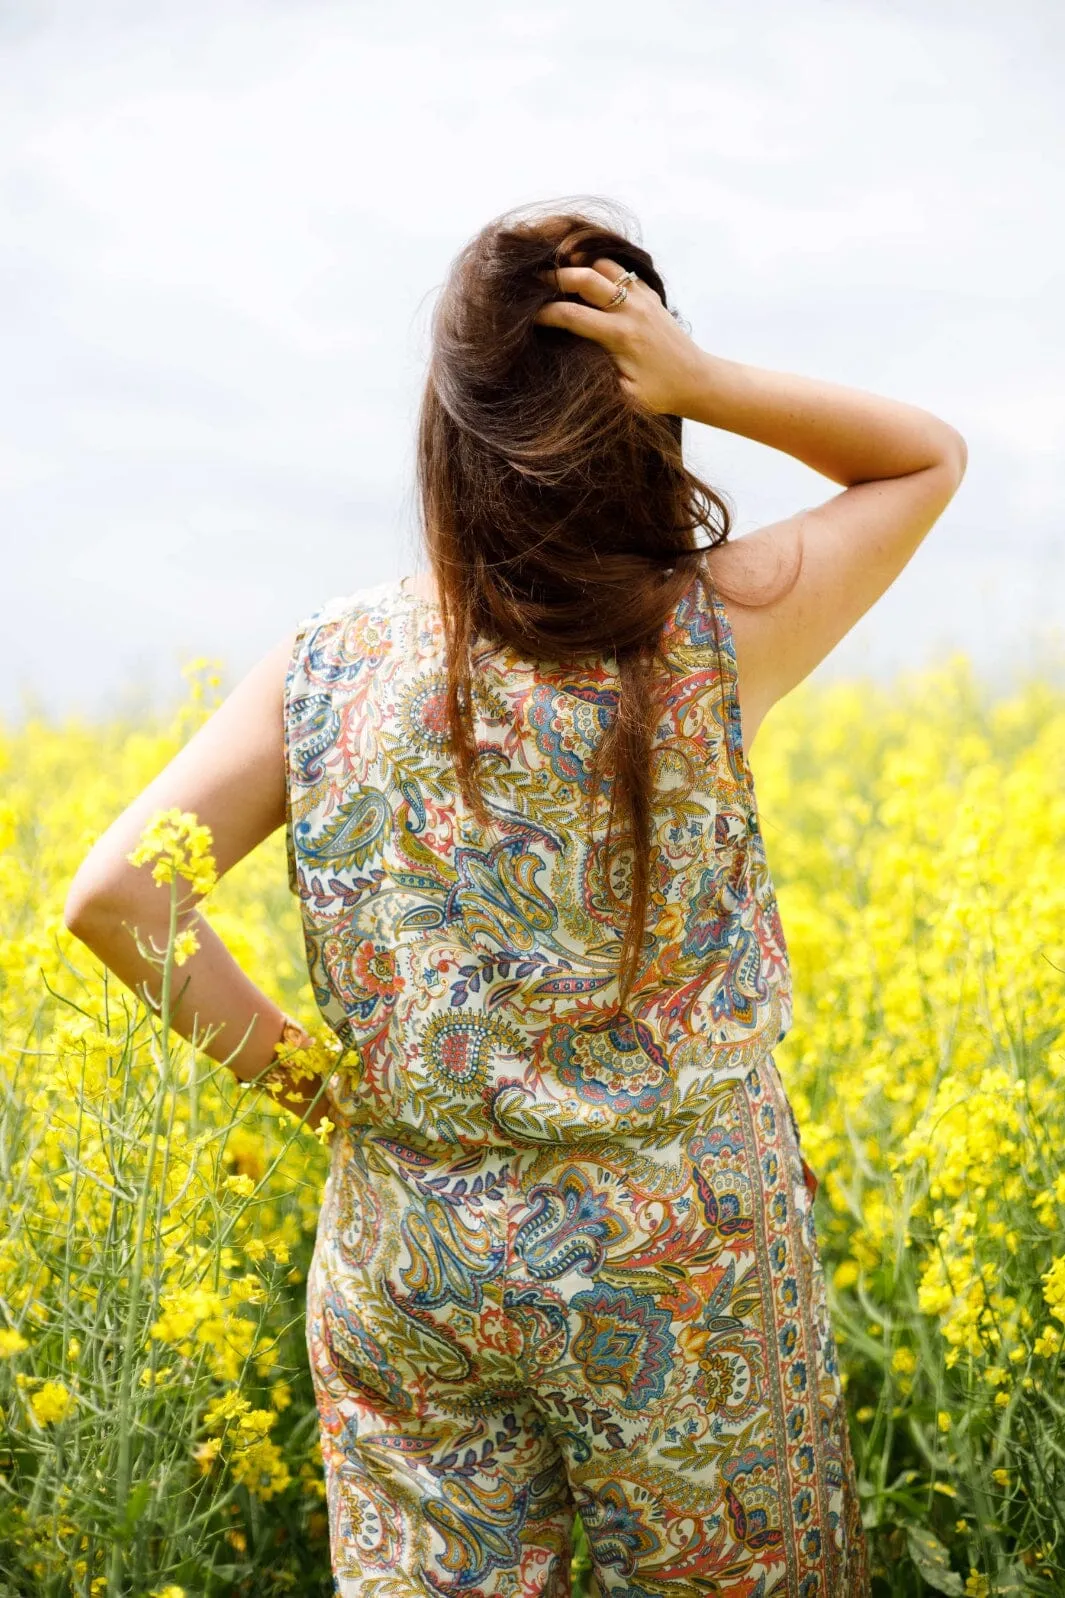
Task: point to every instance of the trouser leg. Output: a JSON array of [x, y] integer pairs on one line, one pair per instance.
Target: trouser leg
[[687, 1362], [442, 1475]]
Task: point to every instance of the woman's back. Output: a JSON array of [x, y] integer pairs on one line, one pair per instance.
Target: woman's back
[[566, 1257], [476, 975]]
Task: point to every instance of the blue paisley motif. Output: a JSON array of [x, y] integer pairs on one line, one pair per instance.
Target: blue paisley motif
[[480, 1527], [570, 1227], [498, 899], [313, 726], [557, 729], [618, 1535], [612, 1062], [352, 838], [329, 662], [624, 1342], [449, 1260], [358, 1357], [543, 1320]]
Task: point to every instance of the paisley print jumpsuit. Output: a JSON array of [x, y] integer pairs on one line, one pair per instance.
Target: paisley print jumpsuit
[[566, 1256]]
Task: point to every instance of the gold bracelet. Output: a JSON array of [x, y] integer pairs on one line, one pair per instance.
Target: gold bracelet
[[292, 1036]]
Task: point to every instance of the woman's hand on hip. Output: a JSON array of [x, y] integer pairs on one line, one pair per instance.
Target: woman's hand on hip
[[659, 365]]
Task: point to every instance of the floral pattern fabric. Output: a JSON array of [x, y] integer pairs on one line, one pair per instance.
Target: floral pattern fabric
[[565, 1260], [474, 976]]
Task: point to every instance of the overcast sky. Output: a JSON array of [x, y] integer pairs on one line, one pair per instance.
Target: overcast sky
[[223, 223]]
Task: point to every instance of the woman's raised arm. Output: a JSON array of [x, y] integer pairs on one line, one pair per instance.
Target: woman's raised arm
[[899, 464]]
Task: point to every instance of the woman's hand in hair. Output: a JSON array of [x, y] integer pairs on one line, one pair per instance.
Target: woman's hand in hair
[[657, 361]]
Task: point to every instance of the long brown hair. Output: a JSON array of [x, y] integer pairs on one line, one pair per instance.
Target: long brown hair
[[559, 517]]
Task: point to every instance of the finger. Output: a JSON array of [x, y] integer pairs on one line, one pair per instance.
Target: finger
[[609, 268], [575, 318], [638, 289], [590, 284]]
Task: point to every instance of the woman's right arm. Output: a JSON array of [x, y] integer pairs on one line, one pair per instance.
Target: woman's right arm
[[900, 467], [845, 434]]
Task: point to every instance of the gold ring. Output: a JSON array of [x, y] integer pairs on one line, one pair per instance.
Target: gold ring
[[621, 290]]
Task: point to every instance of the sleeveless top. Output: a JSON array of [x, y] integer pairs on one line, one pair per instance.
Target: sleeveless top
[[473, 975]]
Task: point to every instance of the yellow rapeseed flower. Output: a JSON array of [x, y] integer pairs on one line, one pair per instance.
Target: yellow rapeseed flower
[[186, 944], [1054, 1288], [247, 1289], [230, 1406], [157, 1378], [1049, 1341], [255, 1423], [206, 1453], [247, 1151], [262, 1469], [240, 1184], [175, 844], [51, 1403]]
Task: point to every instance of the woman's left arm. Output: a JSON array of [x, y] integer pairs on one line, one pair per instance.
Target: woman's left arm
[[231, 776]]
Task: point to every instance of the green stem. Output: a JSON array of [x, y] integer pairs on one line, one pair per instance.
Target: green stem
[[125, 1434]]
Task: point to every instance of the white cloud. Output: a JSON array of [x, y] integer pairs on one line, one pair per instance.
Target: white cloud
[[225, 223]]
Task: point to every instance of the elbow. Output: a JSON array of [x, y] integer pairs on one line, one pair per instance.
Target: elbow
[[76, 913], [100, 903], [101, 893], [84, 910], [955, 454]]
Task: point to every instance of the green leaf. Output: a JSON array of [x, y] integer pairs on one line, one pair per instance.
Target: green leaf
[[134, 1509], [933, 1561]]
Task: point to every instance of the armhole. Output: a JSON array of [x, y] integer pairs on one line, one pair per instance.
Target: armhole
[[294, 675], [296, 684], [729, 679]]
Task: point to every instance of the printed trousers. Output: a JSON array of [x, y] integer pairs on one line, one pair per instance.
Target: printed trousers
[[501, 1336]]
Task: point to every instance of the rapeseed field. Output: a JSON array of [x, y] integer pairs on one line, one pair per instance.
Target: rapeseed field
[[158, 1436]]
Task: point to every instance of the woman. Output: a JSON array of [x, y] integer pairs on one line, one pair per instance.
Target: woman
[[566, 1255]]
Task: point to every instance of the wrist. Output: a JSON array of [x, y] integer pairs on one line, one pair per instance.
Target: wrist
[[290, 1035], [285, 1070], [699, 387], [295, 1084]]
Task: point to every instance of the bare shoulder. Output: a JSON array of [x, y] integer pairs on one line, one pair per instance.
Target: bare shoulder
[[754, 565], [811, 577]]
